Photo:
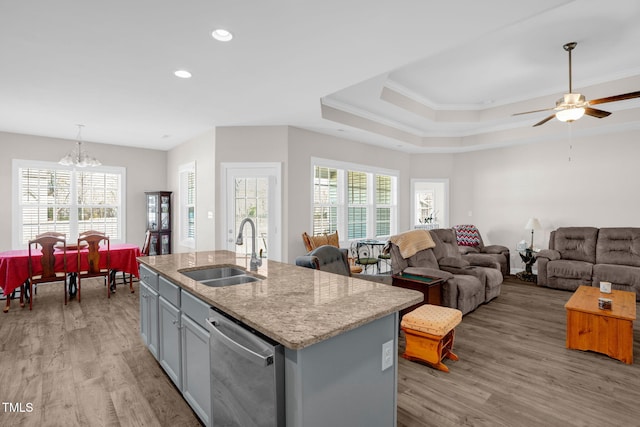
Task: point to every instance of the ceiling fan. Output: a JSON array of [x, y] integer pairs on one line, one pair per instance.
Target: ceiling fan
[[572, 106]]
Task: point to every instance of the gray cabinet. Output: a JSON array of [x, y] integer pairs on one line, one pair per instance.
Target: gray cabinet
[[149, 318], [173, 326], [149, 309], [196, 385], [170, 356]]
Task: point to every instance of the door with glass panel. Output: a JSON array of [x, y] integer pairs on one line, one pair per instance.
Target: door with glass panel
[[253, 191]]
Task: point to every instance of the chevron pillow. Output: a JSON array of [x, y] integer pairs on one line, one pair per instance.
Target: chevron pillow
[[467, 235]]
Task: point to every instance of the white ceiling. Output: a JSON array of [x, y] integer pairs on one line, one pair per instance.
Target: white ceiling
[[413, 75]]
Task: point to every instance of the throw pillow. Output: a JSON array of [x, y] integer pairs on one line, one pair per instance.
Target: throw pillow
[[467, 235]]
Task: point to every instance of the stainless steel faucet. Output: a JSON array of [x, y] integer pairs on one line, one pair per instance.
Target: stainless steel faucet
[[255, 261]]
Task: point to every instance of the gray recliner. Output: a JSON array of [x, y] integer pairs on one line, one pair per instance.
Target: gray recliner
[[464, 292], [326, 258], [477, 249], [450, 259], [335, 260]]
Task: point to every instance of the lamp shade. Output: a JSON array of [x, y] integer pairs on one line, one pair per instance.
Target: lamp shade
[[533, 224]]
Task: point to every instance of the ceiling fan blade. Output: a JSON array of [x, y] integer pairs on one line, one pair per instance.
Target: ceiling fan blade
[[533, 111], [615, 98], [545, 120], [594, 112]]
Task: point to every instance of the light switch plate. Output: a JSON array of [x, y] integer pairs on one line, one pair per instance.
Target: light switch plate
[[387, 355]]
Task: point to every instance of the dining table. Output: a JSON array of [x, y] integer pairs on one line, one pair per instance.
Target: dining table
[[14, 264]]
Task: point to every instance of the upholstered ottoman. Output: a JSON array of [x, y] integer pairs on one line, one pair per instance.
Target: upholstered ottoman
[[429, 332]]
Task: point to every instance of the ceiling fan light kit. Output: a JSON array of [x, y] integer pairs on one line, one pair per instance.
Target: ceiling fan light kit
[[572, 106], [570, 114]]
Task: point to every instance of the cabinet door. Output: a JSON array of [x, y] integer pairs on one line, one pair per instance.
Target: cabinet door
[[170, 342], [149, 318], [153, 244], [165, 213], [196, 386], [152, 212]]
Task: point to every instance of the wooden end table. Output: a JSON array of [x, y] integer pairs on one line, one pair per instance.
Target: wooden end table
[[604, 331], [431, 288]]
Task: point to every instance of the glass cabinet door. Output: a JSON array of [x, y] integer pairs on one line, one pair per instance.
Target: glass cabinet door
[[153, 245], [164, 244], [164, 213], [152, 212]]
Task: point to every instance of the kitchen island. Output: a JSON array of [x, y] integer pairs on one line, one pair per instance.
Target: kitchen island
[[337, 332]]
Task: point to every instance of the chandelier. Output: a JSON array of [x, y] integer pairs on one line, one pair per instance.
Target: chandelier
[[77, 156]]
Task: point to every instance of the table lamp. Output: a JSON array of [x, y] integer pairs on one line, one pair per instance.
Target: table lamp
[[532, 224]]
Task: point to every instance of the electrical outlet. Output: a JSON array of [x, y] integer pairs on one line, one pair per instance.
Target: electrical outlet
[[387, 355]]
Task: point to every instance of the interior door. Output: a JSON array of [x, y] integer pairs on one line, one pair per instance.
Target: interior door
[[253, 190]]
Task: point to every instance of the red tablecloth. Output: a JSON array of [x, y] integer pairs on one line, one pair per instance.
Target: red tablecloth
[[14, 265]]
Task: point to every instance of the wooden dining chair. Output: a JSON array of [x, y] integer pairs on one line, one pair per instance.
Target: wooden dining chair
[[93, 269], [147, 243], [53, 234], [48, 244], [86, 233]]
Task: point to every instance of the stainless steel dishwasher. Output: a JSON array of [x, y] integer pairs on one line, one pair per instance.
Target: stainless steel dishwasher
[[247, 375]]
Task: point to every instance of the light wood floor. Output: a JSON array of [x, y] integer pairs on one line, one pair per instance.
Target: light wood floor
[[84, 364], [514, 370]]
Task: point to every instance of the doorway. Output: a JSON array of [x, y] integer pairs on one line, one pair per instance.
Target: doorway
[[430, 203], [252, 190]]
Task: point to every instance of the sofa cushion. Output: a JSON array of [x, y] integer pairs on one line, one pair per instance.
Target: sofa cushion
[[424, 258], [426, 271], [618, 246], [620, 276], [469, 292], [568, 269], [446, 244], [576, 243], [453, 262]]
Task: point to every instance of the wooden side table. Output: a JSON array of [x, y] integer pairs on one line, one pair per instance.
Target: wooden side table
[[603, 331], [431, 288]]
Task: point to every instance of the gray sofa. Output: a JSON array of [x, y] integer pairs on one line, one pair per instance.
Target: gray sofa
[[466, 286], [587, 255]]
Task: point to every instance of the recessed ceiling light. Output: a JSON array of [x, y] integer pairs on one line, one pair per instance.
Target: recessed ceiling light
[[183, 74], [222, 35]]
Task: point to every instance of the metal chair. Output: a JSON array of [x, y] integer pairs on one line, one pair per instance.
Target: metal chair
[[94, 257], [363, 255], [47, 244]]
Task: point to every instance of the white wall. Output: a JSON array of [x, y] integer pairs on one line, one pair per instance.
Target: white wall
[[200, 150], [146, 171], [504, 187]]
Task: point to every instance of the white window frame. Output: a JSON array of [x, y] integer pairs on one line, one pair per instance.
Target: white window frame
[[343, 217], [17, 226], [183, 217]]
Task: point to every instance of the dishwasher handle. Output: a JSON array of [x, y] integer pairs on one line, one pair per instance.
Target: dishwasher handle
[[251, 355]]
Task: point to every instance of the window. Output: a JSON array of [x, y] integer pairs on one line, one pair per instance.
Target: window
[[325, 200], [51, 197], [357, 201], [188, 205]]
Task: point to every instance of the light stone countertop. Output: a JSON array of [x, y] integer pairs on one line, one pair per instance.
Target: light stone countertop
[[293, 305]]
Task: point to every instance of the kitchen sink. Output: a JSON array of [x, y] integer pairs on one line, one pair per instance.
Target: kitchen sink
[[220, 276]]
